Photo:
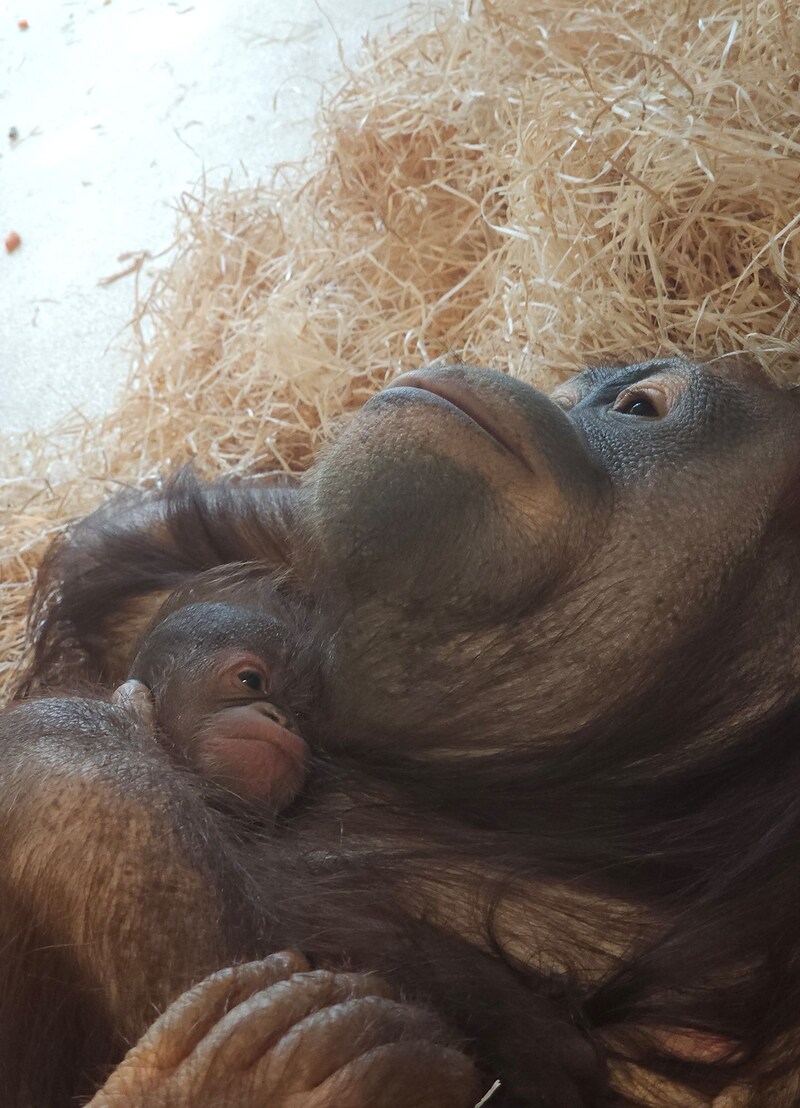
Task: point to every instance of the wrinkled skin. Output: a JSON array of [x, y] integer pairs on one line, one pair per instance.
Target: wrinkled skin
[[555, 721], [596, 529], [274, 1032]]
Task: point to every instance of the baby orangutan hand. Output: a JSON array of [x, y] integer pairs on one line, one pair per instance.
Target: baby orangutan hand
[[274, 1033], [137, 699]]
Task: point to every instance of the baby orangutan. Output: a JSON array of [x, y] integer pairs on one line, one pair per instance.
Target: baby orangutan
[[213, 678]]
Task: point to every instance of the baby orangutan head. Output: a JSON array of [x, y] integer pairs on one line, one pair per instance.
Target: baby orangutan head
[[217, 676]]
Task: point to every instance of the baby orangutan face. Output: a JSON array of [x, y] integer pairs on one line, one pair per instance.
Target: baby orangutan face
[[216, 674]]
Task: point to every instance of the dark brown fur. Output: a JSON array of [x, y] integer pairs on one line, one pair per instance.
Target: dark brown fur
[[555, 779]]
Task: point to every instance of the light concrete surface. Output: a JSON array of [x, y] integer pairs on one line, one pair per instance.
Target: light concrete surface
[[119, 106]]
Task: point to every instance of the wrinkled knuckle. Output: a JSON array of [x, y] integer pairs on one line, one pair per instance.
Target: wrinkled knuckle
[[291, 960]]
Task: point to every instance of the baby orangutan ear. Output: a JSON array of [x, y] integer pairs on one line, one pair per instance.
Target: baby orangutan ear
[[136, 698]]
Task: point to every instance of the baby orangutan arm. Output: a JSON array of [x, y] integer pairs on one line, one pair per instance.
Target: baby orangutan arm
[[101, 583]]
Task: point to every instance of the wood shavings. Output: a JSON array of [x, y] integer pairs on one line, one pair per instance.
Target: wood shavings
[[135, 260]]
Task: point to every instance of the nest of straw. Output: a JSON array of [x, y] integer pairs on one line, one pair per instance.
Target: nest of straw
[[529, 184]]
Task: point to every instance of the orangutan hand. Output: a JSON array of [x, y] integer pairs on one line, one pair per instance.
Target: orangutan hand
[[274, 1034]]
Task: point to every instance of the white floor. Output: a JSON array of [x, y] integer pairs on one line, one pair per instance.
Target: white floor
[[119, 106]]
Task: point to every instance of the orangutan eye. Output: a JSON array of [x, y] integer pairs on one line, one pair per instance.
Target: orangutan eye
[[640, 408], [252, 679], [646, 403]]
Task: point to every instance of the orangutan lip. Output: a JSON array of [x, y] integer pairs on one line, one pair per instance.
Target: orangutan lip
[[282, 738], [464, 402]]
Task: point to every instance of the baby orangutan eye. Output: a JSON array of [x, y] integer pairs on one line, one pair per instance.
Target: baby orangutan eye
[[252, 679]]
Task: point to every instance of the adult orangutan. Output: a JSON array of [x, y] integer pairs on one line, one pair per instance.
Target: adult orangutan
[[553, 783]]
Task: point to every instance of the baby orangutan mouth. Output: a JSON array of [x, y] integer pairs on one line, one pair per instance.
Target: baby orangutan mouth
[[249, 753]]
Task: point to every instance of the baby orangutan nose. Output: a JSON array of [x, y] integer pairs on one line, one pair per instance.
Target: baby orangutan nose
[[208, 676], [280, 717]]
